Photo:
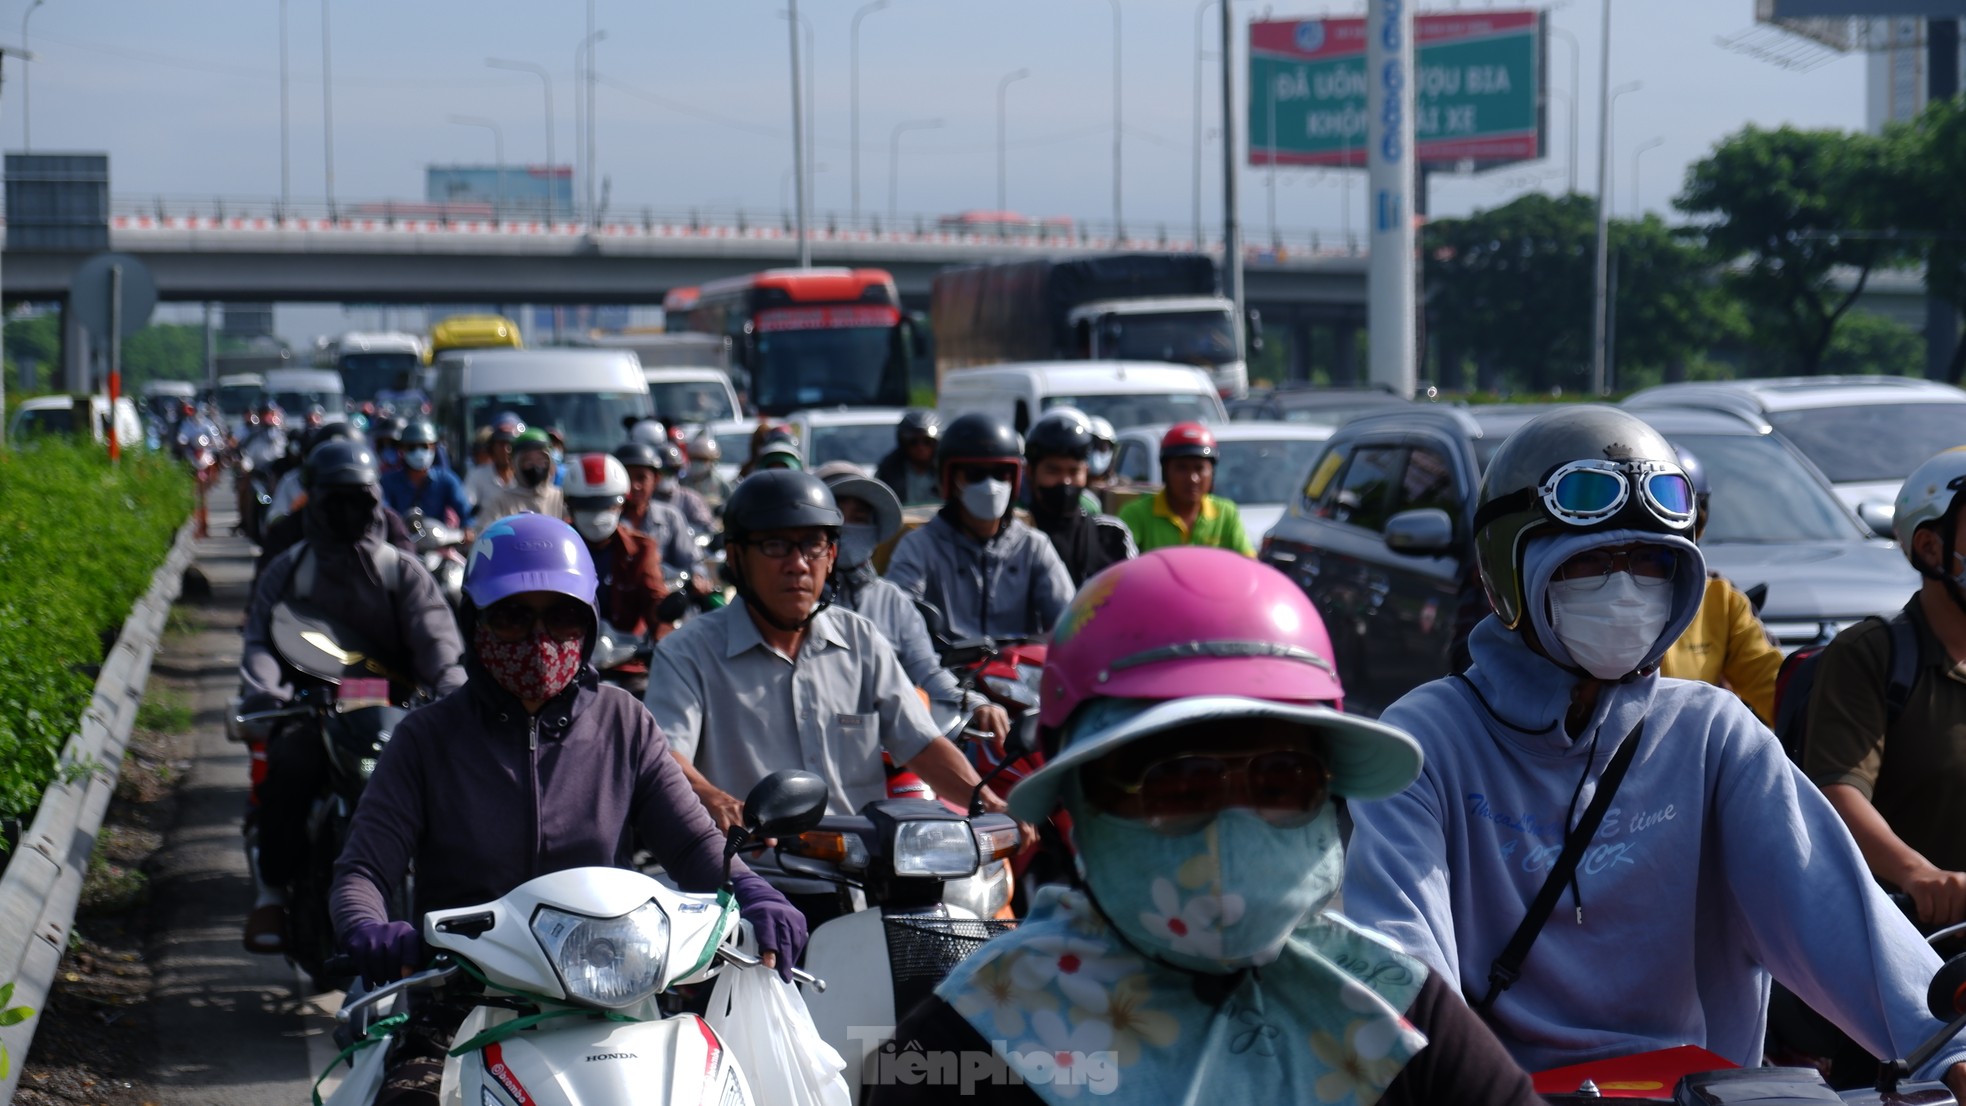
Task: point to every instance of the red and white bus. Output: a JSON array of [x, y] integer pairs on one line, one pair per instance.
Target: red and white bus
[[812, 337]]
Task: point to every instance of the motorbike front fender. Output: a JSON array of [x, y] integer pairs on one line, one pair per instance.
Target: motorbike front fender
[[576, 1061]]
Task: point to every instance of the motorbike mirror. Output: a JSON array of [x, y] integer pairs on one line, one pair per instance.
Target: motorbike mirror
[[785, 804], [1946, 996], [309, 645], [1022, 740]]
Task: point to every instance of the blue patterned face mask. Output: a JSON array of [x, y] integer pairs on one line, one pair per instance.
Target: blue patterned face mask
[[1218, 899]]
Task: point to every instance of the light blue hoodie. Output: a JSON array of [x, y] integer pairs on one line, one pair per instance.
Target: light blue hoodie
[[1716, 865]]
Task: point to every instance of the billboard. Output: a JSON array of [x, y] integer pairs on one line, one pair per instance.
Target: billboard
[[526, 187], [1479, 90]]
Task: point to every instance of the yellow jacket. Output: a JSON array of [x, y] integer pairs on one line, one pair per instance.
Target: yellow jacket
[[1727, 646]]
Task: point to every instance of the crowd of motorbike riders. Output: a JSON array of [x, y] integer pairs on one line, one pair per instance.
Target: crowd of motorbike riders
[[1556, 855]]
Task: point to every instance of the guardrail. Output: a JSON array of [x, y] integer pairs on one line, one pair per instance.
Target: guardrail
[[43, 880]]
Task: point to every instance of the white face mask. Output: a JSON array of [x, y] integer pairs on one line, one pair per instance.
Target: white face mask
[[857, 542], [1098, 461], [1610, 628], [986, 498], [595, 526], [418, 459], [665, 485]]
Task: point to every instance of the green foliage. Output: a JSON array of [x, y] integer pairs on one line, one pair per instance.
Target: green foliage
[[163, 711], [161, 351], [1930, 156], [10, 1015], [79, 540], [1868, 343]]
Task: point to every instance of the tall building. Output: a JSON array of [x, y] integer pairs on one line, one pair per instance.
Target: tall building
[[1894, 85]]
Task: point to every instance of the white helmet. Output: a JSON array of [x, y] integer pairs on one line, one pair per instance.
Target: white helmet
[[649, 432], [1930, 495], [704, 447], [1104, 439], [595, 488]]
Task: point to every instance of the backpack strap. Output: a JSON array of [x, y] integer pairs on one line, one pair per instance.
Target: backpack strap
[[1904, 666], [307, 572]]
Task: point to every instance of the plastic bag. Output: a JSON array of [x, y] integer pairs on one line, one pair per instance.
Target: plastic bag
[[364, 1079], [765, 1024]]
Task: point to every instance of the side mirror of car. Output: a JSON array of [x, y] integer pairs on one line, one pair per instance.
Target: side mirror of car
[[1425, 532], [1878, 515]]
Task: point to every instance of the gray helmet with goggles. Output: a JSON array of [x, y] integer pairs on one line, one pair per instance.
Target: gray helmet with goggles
[[1573, 470]]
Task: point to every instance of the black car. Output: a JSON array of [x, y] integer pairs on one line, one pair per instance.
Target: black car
[[1379, 537]]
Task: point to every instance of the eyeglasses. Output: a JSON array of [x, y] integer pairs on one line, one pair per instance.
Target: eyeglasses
[[976, 474], [1584, 493], [809, 547], [561, 619], [1181, 793], [1650, 565]]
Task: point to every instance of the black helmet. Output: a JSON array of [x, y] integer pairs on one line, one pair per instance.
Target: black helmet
[[978, 437], [779, 499], [1573, 470], [637, 455], [671, 457], [338, 463], [1062, 432], [388, 429], [918, 424], [418, 432]]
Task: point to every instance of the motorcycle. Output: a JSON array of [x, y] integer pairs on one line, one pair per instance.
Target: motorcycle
[[565, 973], [1700, 1078], [345, 705], [622, 658], [259, 460], [936, 884], [441, 549]]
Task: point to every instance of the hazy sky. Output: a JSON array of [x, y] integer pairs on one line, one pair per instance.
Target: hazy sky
[[693, 106]]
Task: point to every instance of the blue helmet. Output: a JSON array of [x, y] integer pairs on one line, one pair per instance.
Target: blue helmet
[[528, 552]]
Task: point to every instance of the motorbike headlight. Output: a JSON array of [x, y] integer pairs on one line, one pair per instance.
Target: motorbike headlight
[[983, 894], [1012, 691], [607, 962], [936, 850]]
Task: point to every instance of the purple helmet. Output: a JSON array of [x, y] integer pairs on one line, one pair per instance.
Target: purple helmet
[[528, 553]]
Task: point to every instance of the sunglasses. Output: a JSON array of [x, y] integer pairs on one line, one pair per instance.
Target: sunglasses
[[976, 474], [810, 547], [1583, 493], [1651, 565], [560, 619], [1180, 793]]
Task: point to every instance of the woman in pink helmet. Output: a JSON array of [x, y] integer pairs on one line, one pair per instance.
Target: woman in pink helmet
[[1192, 717]]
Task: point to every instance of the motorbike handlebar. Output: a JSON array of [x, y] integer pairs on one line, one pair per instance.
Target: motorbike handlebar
[[745, 959], [272, 715], [432, 977]]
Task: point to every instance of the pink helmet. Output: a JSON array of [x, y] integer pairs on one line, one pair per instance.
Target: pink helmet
[[1183, 621]]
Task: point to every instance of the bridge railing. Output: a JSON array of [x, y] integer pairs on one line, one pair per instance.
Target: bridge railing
[[264, 214]]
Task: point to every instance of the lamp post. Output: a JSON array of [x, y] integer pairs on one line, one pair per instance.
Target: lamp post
[[26, 101], [798, 134], [594, 38], [286, 178], [1200, 11], [1271, 153], [327, 104], [853, 107], [785, 184], [894, 159], [1638, 209], [546, 82], [583, 146], [1119, 227], [498, 155], [1003, 85], [1576, 52], [1231, 219], [809, 108], [24, 56], [1601, 312]]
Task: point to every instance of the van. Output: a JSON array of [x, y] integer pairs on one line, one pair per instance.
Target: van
[[692, 397], [43, 416], [591, 395], [1125, 393], [298, 391]]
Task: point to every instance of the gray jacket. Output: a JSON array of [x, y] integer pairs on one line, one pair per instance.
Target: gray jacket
[[414, 624], [893, 612], [1013, 586]]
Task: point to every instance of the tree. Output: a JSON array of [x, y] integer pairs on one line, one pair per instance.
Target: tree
[[1779, 206], [1932, 151], [1670, 304]]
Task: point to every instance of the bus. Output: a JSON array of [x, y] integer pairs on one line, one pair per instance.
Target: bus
[[473, 332], [676, 306], [374, 363], [812, 337]]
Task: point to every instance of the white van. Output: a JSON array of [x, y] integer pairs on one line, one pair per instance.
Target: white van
[[1125, 393], [692, 396], [45, 415], [591, 395], [298, 391]]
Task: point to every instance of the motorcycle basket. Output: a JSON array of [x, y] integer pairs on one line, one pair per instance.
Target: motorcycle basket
[[921, 950]]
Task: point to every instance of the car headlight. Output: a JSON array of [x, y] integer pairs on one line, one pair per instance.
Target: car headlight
[[936, 849], [1012, 691], [608, 962]]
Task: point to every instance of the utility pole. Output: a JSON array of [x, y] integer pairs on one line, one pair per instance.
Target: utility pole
[[1389, 157], [853, 107], [23, 55], [286, 176], [327, 103], [1601, 278], [1200, 12], [798, 137], [1119, 224], [1231, 219]]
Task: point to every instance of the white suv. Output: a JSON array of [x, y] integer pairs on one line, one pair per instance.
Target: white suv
[[1866, 433]]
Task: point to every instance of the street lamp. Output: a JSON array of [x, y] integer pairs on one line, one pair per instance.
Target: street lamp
[[24, 56], [785, 184], [1576, 52], [894, 158], [1119, 231], [1601, 314], [327, 105], [1200, 11], [26, 116], [546, 81], [811, 108], [498, 148], [853, 108], [583, 144], [1638, 209], [1003, 85], [798, 134], [286, 179]]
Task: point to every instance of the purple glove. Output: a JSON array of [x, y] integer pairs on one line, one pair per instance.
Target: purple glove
[[776, 923], [381, 950]]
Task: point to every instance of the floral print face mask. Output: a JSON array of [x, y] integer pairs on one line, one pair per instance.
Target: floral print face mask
[[533, 669]]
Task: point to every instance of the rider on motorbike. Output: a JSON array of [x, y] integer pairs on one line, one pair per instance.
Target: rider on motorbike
[[287, 531], [533, 767], [1184, 511], [422, 484], [1056, 451], [873, 516], [489, 477], [1193, 724], [627, 564], [1726, 645], [385, 602], [386, 433], [670, 491], [1716, 864], [909, 468], [703, 477], [287, 493], [532, 490], [663, 523], [778, 679], [989, 574]]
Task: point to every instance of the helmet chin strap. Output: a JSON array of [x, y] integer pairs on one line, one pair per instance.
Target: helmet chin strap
[[745, 592], [1947, 525]]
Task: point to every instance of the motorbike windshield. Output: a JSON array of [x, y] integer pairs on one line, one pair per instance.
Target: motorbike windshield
[[591, 421], [1183, 337]]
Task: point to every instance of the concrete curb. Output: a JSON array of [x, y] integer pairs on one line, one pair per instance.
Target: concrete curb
[[43, 881]]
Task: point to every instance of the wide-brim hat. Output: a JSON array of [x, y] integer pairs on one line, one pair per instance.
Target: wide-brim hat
[[887, 509], [1368, 759]]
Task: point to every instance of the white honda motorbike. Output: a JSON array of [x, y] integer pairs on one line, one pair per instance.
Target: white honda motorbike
[[570, 965]]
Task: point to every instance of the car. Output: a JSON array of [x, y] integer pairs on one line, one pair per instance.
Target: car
[[1124, 393], [1866, 433], [692, 396], [861, 435], [1312, 404], [1379, 536], [43, 416], [1261, 466]]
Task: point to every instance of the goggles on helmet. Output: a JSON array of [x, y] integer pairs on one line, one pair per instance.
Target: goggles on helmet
[[1587, 492]]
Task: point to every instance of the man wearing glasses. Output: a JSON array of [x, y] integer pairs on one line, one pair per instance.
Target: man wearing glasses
[[779, 679], [1607, 862], [989, 574]]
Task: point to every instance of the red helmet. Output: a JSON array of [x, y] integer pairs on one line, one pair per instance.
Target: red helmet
[[1187, 439]]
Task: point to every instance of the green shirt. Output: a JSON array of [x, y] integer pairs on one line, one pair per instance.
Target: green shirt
[[1155, 526]]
